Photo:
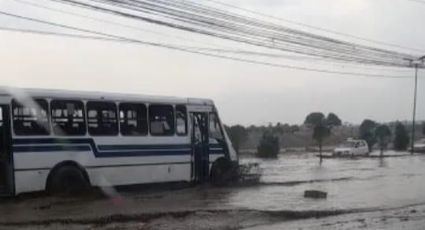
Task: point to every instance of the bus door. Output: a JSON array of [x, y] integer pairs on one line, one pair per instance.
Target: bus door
[[6, 165], [200, 147], [217, 140]]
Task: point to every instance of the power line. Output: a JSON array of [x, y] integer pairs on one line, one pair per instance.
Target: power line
[[181, 38], [240, 52], [244, 52], [241, 35], [105, 21], [232, 29], [146, 30], [201, 52], [40, 32], [155, 32], [321, 28], [201, 7], [336, 55]]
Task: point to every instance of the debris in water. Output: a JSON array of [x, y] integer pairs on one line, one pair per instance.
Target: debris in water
[[315, 194]]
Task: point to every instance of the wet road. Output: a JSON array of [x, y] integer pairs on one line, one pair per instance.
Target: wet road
[[354, 186]]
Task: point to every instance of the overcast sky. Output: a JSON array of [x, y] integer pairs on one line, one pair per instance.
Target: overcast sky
[[244, 93]]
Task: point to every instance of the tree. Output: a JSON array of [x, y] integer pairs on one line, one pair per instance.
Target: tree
[[383, 134], [321, 127], [269, 146], [314, 119], [333, 119], [238, 135], [401, 139], [320, 133], [367, 133]]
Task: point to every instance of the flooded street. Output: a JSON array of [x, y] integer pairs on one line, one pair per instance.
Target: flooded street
[[364, 188], [350, 183]]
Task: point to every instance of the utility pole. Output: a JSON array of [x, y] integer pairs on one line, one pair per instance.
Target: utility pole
[[416, 63], [412, 149]]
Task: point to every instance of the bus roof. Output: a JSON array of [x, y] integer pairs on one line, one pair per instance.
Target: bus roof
[[93, 95]]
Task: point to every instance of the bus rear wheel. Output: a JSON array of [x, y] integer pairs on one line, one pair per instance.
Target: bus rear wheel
[[223, 172], [68, 180]]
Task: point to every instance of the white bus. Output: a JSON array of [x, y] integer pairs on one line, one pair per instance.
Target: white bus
[[65, 141]]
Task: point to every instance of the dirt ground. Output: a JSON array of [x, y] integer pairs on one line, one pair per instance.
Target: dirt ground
[[362, 194]]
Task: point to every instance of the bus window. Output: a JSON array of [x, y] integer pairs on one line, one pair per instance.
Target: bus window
[[133, 119], [214, 127], [102, 118], [181, 120], [68, 117], [161, 120], [30, 118]]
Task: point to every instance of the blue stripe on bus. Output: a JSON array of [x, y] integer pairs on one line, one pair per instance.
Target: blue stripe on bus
[[50, 148], [88, 144], [101, 147], [138, 147], [55, 148]]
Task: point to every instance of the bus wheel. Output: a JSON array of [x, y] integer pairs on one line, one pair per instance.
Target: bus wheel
[[223, 172], [68, 180]]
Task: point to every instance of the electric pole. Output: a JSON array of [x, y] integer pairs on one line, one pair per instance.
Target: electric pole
[[416, 63]]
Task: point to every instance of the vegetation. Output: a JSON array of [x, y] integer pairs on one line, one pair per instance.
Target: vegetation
[[238, 135], [284, 128], [298, 137], [269, 146], [367, 132], [401, 139], [333, 119], [383, 134], [322, 127]]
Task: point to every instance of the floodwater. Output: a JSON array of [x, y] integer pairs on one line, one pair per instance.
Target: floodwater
[[353, 186], [350, 183]]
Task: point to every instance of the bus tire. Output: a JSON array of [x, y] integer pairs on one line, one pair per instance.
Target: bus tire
[[223, 172], [67, 180]]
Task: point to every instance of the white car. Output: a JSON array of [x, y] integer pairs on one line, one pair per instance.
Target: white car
[[419, 146], [352, 147]]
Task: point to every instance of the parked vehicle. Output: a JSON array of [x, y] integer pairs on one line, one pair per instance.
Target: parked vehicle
[[419, 146], [352, 147]]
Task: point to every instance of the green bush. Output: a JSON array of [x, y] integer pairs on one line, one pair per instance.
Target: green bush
[[268, 146]]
